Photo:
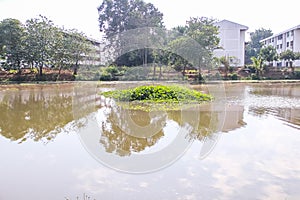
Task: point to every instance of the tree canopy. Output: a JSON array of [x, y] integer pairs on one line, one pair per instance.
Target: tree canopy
[[119, 16], [12, 34], [122, 15], [254, 46], [39, 43]]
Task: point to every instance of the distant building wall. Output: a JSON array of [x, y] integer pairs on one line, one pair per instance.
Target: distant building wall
[[288, 39], [232, 42]]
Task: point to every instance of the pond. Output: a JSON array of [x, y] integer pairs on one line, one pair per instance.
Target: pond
[[66, 141]]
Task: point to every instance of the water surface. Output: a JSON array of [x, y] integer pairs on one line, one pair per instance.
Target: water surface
[[62, 141]]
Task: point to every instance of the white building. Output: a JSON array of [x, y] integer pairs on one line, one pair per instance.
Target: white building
[[288, 39], [232, 42]]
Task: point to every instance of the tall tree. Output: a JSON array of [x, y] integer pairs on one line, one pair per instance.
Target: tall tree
[[254, 46], [118, 16], [193, 45], [79, 48], [41, 37], [12, 35]]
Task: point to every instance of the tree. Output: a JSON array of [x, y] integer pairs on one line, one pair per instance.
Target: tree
[[225, 61], [268, 54], [79, 48], [60, 56], [121, 15], [254, 46], [289, 56], [199, 38], [257, 63], [12, 35], [118, 16], [40, 39], [181, 54]]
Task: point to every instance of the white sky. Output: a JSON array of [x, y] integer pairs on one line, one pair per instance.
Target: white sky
[[83, 15]]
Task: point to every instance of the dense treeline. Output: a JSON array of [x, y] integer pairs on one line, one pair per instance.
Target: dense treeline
[[39, 43]]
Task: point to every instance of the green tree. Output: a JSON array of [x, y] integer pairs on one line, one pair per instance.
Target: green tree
[[257, 63], [79, 48], [268, 54], [199, 38], [12, 35], [121, 15], [39, 41], [225, 61], [289, 56], [60, 56], [179, 56], [118, 16], [254, 46]]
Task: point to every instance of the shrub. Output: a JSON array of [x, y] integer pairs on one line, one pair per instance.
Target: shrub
[[233, 76], [297, 75], [254, 77], [159, 93]]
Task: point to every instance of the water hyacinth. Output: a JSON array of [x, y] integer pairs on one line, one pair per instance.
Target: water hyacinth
[[164, 97]]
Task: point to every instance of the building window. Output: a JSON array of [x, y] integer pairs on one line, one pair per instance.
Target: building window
[[277, 47], [280, 46], [292, 44], [292, 33], [272, 39], [280, 37], [287, 44], [288, 34]]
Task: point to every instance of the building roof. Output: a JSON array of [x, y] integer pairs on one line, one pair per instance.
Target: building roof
[[280, 33], [226, 24]]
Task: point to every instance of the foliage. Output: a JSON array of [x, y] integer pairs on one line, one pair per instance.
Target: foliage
[[268, 54], [254, 46], [289, 56], [40, 43], [116, 17], [40, 39], [258, 65], [233, 76], [12, 35], [192, 45], [297, 75], [110, 73], [159, 93], [225, 61], [121, 15]]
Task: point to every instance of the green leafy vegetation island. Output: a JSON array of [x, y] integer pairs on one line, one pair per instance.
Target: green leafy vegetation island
[[171, 97]]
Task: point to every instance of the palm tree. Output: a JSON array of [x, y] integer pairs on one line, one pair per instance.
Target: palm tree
[[257, 64]]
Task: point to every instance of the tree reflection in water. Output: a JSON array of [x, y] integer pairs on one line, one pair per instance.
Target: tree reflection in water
[[125, 131], [42, 112], [38, 113]]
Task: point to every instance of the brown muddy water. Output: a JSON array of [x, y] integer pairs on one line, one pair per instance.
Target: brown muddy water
[[68, 142]]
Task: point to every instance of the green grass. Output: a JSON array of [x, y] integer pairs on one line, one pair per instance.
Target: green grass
[[158, 97]]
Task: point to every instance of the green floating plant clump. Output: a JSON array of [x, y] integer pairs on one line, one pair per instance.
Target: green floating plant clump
[[159, 94]]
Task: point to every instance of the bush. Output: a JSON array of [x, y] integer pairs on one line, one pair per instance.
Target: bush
[[233, 76], [297, 75], [254, 77], [106, 77], [159, 93]]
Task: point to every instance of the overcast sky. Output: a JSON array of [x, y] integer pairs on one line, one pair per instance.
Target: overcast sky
[[83, 15]]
